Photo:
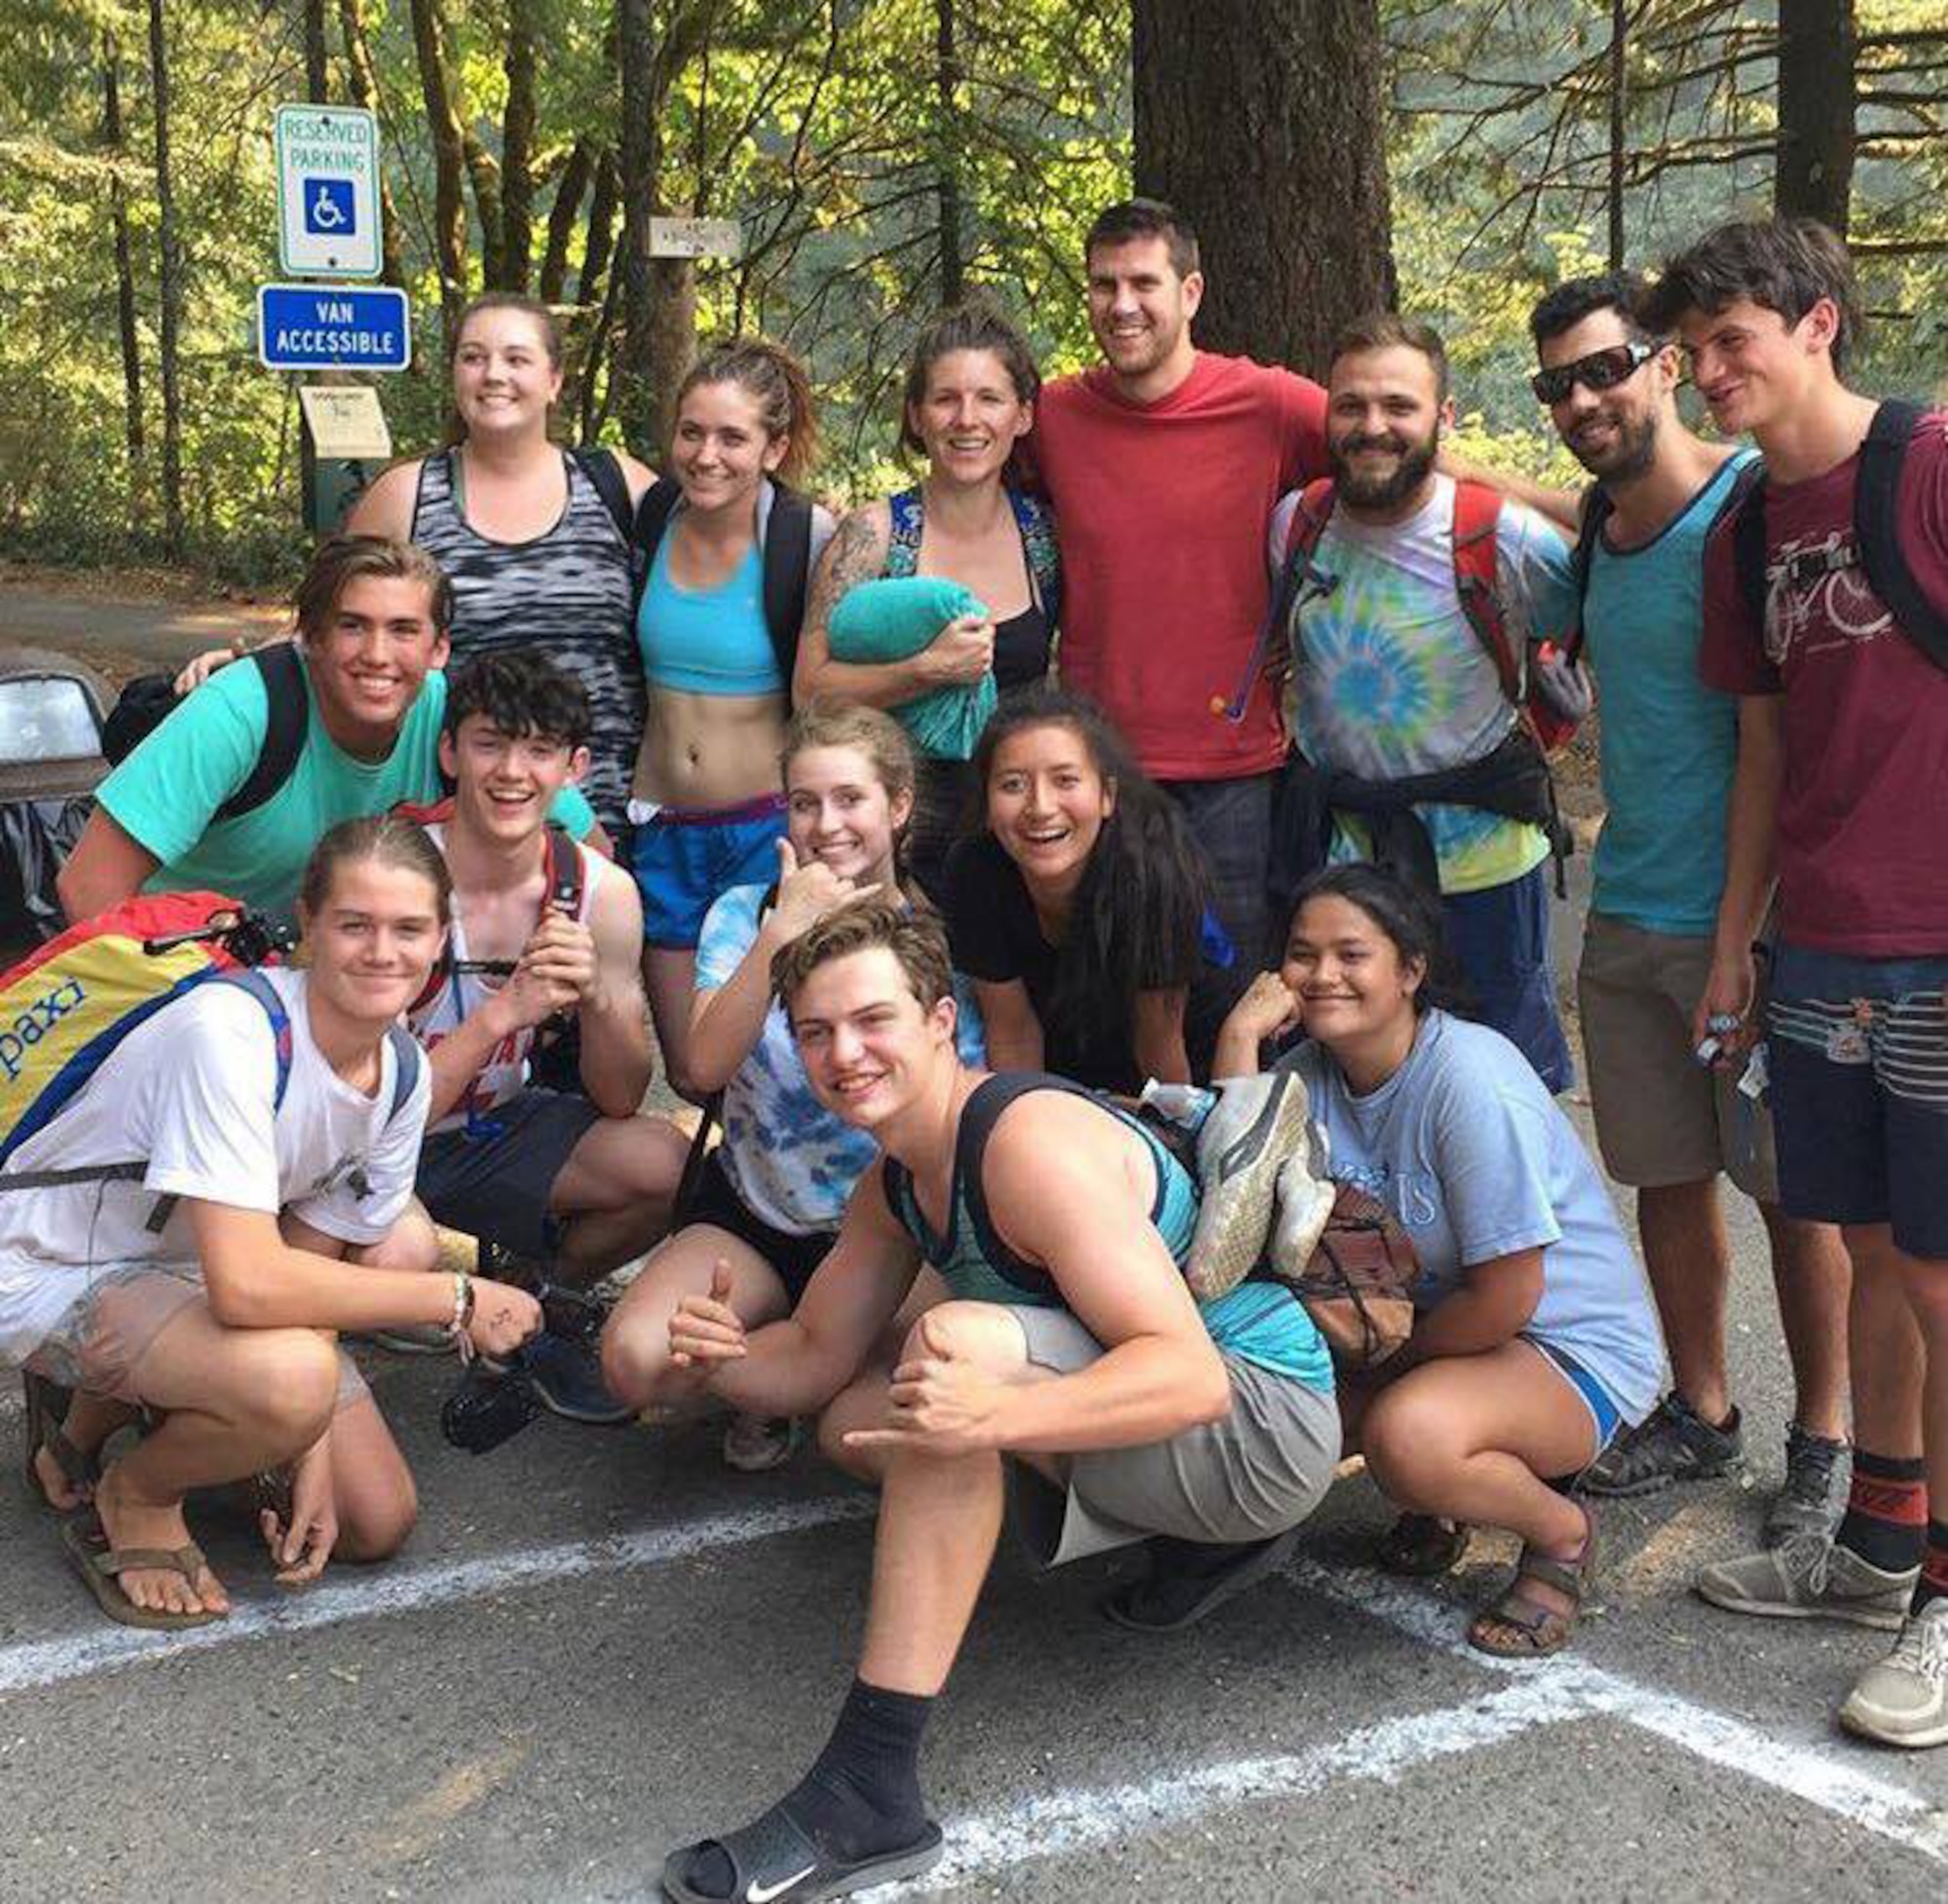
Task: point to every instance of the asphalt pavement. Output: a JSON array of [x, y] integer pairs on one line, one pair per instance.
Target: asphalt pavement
[[600, 1644]]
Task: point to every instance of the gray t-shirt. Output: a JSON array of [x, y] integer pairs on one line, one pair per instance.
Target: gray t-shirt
[[1465, 1145]]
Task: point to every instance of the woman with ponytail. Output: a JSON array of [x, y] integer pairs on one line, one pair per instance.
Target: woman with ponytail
[[718, 630], [1081, 913]]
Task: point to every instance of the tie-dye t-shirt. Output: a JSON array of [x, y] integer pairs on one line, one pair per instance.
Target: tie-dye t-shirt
[[1390, 679], [791, 1161]]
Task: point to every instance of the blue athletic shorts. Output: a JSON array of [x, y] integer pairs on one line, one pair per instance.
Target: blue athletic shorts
[[1499, 937], [1603, 1409], [685, 860], [1858, 1050]]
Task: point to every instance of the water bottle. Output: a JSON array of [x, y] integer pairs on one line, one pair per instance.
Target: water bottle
[[1186, 1105]]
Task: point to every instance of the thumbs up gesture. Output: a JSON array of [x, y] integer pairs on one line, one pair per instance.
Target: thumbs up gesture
[[943, 1399], [705, 1331]]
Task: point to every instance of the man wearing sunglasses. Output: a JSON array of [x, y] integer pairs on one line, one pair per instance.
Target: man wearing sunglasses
[[1826, 613], [1663, 907]]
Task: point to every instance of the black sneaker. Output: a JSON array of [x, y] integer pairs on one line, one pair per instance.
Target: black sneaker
[[1674, 1442], [1817, 1475], [568, 1378]]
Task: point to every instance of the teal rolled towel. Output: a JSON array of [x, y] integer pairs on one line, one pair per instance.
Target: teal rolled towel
[[893, 620]]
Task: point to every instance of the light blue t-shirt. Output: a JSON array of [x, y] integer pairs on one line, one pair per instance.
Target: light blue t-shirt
[[790, 1159], [1465, 1145], [1390, 679], [166, 794], [1670, 743]]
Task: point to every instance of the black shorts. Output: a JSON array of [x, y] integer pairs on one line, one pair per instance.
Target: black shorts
[[793, 1257], [495, 1180]]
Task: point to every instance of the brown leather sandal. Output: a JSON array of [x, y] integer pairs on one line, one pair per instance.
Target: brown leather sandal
[[46, 1413], [1520, 1627], [85, 1541]]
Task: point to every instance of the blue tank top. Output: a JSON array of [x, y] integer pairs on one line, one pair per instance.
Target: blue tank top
[[1261, 1322], [708, 641]]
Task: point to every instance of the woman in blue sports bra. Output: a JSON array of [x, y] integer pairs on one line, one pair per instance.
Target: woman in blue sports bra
[[705, 802], [969, 400]]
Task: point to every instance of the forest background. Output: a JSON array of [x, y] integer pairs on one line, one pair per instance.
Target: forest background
[[884, 155]]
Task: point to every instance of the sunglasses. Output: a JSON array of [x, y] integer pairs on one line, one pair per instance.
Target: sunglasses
[[1601, 370]]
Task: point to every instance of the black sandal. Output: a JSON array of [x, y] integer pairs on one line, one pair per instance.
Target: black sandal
[[47, 1413], [773, 1858]]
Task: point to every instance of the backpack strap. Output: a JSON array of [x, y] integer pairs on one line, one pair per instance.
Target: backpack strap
[[605, 476], [1037, 532], [906, 519], [787, 555], [1597, 508], [1272, 651], [287, 718], [1478, 512], [1877, 529], [1745, 508], [406, 1059], [652, 515]]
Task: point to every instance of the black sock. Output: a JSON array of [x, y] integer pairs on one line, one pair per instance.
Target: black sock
[[1886, 1511], [1934, 1581], [862, 1796]]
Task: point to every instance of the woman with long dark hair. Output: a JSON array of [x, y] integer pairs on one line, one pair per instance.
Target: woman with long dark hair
[[1081, 911]]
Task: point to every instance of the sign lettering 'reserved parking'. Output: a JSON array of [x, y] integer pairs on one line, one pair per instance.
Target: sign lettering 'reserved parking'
[[327, 192]]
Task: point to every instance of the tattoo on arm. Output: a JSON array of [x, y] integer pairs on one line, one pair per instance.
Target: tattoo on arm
[[854, 556]]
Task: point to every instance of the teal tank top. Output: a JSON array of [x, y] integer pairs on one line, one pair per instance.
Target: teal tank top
[[1259, 1322], [708, 641]]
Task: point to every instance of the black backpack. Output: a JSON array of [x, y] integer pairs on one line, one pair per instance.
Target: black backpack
[[1876, 546], [146, 701], [787, 557]]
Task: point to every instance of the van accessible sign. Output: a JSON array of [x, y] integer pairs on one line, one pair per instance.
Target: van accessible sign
[[333, 328], [327, 192]]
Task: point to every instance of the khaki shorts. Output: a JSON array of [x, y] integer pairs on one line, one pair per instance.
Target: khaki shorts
[[1259, 1471], [1661, 1117], [104, 1334]]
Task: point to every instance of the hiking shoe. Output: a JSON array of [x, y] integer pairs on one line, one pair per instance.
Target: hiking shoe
[[1253, 1127], [1674, 1442], [1304, 1207], [1817, 1475], [755, 1445], [568, 1378], [1808, 1578], [1904, 1700]]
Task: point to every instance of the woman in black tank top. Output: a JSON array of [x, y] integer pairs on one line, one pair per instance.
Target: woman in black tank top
[[969, 400], [534, 541]]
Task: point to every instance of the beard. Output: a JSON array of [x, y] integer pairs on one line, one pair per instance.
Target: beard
[[1633, 451], [1370, 490]]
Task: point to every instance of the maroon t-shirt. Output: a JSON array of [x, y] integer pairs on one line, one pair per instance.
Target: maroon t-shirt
[[1863, 813]]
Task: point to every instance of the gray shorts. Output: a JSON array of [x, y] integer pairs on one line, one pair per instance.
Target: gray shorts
[[494, 1179], [1261, 1470]]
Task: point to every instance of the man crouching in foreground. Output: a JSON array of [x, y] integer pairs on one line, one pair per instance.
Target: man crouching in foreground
[[1068, 1342]]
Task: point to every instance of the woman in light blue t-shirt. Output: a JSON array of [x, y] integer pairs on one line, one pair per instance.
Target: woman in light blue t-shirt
[[1535, 1337]]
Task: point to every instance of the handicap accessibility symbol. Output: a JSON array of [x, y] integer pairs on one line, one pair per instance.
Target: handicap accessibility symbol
[[327, 207]]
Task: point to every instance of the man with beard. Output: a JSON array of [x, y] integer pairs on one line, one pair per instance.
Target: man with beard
[[1390, 681], [1664, 908]]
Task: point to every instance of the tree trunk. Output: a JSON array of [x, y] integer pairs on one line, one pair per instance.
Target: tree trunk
[[633, 373], [125, 275], [363, 84], [1814, 173], [1620, 29], [562, 216], [484, 172], [1260, 120], [598, 247], [672, 349], [449, 159], [171, 287], [518, 142], [947, 137], [317, 67]]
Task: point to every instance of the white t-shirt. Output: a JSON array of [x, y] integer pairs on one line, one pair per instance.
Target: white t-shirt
[[192, 1091], [505, 1072]]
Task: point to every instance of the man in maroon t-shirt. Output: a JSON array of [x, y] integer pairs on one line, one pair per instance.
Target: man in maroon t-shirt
[[1163, 465], [1843, 759]]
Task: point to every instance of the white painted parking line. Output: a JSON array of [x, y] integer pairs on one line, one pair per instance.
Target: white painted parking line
[[36, 1663], [1830, 1775]]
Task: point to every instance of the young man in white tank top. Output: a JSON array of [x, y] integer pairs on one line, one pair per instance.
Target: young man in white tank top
[[542, 929]]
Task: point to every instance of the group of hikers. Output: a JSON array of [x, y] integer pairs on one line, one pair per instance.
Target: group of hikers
[[1183, 725]]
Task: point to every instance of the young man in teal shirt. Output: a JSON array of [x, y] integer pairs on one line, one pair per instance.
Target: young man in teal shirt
[[1663, 912], [372, 619]]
